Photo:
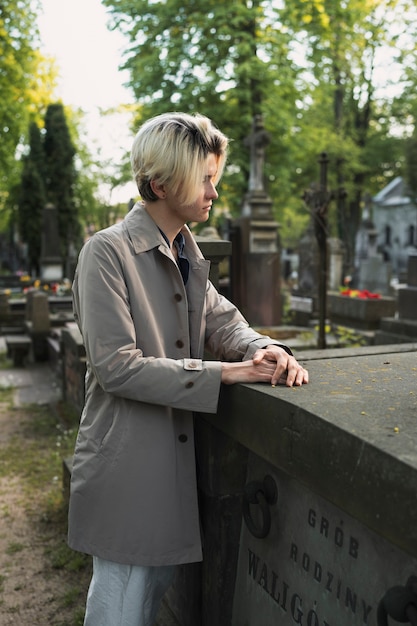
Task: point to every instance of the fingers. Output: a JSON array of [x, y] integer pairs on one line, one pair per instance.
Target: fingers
[[291, 373], [287, 370], [296, 375]]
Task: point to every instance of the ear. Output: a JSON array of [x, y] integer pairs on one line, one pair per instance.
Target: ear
[[158, 189]]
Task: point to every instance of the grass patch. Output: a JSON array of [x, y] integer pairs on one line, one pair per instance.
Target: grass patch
[[36, 452], [6, 397], [35, 455], [15, 547]]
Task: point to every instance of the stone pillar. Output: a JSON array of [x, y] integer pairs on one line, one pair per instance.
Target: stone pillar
[[214, 250]]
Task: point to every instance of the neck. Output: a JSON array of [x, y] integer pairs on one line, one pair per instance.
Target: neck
[[166, 222]]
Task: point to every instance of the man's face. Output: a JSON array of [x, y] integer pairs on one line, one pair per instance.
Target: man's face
[[199, 210]]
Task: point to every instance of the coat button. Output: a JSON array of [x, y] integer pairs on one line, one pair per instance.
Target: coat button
[[179, 343], [189, 385], [178, 297], [183, 438]]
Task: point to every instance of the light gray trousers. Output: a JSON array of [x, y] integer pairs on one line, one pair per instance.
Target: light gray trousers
[[125, 595]]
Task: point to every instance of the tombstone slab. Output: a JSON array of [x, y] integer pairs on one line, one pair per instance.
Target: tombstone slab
[[342, 529]]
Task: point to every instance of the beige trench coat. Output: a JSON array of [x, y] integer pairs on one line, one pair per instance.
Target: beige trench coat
[[133, 488]]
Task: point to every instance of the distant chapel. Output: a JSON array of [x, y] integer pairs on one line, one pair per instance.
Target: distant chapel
[[394, 216]]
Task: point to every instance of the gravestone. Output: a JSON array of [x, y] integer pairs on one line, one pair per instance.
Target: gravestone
[[373, 272], [375, 275], [403, 327], [51, 265], [38, 323]]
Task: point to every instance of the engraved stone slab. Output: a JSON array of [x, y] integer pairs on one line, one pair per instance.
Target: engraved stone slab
[[318, 566]]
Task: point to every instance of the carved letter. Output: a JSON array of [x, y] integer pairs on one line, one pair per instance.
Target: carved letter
[[274, 586], [284, 596], [306, 562], [366, 610], [253, 564], [312, 518], [312, 618], [324, 527], [354, 547], [317, 572], [338, 536], [350, 599], [297, 613], [263, 578]]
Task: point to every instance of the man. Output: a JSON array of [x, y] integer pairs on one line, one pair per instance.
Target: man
[[147, 312]]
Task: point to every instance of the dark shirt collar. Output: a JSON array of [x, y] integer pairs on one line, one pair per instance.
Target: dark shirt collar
[[182, 262]]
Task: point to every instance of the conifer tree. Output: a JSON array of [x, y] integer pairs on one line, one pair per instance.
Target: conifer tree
[[60, 175], [32, 199]]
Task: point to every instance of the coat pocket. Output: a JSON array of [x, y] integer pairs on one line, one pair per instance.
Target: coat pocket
[[111, 442]]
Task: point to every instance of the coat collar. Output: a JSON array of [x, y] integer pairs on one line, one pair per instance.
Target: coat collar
[[145, 234]]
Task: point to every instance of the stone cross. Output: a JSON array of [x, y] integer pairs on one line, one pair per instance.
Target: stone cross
[[257, 142]]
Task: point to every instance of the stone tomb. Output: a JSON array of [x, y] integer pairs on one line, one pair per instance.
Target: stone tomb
[[317, 566], [308, 496]]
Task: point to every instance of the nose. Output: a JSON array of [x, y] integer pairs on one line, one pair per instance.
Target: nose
[[211, 191]]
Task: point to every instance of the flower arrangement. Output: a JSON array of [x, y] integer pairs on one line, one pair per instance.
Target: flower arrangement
[[359, 293]]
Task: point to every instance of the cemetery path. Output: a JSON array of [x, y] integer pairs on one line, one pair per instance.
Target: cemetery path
[[40, 582]]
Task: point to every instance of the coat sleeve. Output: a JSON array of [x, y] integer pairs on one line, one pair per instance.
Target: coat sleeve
[[228, 334], [102, 311]]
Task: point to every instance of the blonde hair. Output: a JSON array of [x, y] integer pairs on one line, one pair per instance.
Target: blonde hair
[[172, 149]]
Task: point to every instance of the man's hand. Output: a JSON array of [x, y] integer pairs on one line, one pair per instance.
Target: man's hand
[[270, 365], [287, 370]]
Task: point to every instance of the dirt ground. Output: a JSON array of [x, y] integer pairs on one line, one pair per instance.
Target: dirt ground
[[34, 589]]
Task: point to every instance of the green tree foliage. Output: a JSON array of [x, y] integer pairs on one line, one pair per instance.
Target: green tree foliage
[[347, 44], [316, 69], [60, 175], [18, 62], [222, 59], [48, 176], [27, 80]]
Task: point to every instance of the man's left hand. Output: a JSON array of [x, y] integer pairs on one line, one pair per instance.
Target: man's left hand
[[288, 371]]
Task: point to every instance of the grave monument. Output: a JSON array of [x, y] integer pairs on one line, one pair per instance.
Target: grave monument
[[308, 498], [403, 327], [51, 268], [255, 264], [372, 271]]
